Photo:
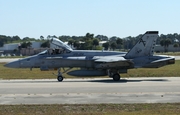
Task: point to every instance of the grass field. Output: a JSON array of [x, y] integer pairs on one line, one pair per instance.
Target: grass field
[[166, 71], [169, 53], [92, 109]]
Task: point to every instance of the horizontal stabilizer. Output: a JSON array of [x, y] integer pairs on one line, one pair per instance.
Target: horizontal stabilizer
[[170, 59]]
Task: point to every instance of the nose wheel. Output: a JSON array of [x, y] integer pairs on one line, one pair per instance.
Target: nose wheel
[[60, 78]]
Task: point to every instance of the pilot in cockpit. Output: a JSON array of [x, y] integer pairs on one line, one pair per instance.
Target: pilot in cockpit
[[57, 51]]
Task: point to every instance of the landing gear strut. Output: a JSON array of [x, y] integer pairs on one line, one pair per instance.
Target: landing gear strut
[[59, 76]]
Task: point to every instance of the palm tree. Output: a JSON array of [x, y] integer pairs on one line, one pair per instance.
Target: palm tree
[[113, 45], [106, 45], [119, 42], [88, 37], [176, 45], [95, 42], [29, 46], [165, 42], [70, 42], [48, 37], [45, 44], [76, 44], [42, 37]]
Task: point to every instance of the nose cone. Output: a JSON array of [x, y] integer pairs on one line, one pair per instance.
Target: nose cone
[[14, 64]]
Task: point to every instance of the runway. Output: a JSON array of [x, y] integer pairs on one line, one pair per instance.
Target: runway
[[90, 91]]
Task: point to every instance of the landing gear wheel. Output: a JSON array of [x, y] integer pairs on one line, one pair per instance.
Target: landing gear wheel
[[60, 78], [116, 77]]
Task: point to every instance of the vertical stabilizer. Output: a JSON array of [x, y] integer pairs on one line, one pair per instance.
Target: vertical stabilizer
[[145, 46]]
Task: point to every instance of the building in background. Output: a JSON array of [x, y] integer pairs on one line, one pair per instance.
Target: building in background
[[13, 49]]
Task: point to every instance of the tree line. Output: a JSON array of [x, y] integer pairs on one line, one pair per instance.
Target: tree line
[[91, 42]]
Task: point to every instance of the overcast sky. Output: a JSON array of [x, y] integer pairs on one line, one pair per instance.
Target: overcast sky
[[122, 18]]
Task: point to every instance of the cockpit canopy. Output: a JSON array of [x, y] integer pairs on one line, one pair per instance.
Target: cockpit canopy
[[56, 44], [56, 47]]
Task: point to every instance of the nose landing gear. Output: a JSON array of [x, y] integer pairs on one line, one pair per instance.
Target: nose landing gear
[[59, 75]]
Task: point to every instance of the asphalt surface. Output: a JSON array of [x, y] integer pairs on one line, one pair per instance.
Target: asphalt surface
[[90, 91]]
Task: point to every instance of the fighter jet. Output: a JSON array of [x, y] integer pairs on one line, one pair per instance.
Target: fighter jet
[[96, 63]]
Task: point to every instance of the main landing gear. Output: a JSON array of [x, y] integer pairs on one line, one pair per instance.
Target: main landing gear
[[115, 75]]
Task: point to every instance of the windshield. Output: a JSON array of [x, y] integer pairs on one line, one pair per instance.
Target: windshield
[[43, 52]]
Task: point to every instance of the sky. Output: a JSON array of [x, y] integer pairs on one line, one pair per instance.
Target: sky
[[121, 18]]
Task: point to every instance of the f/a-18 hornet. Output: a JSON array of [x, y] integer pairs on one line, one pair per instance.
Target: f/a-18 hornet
[[96, 63]]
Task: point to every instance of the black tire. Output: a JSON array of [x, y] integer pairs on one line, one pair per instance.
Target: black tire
[[60, 78], [116, 77]]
